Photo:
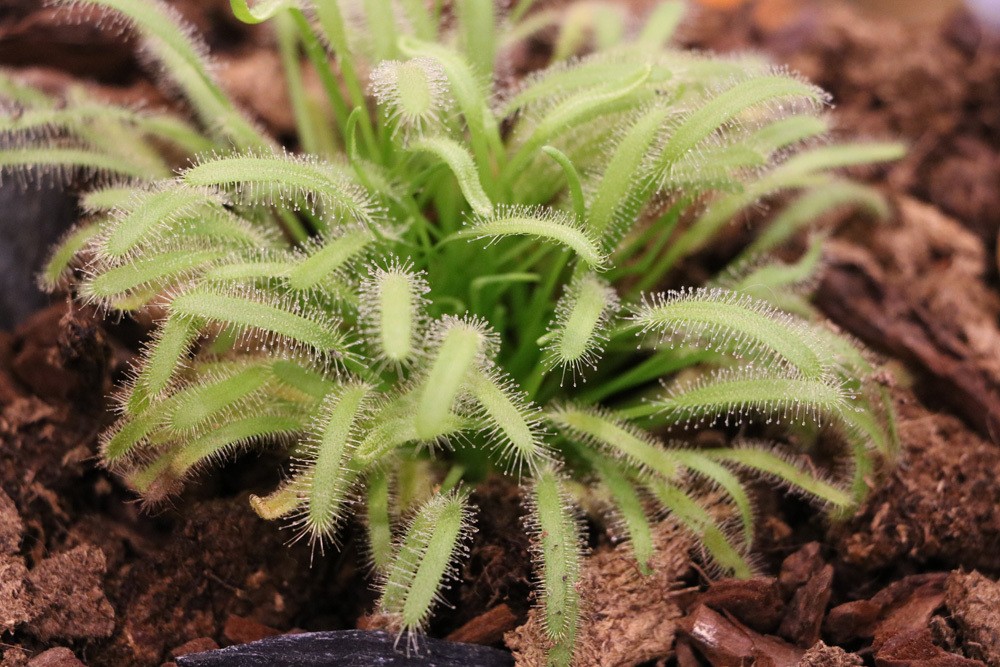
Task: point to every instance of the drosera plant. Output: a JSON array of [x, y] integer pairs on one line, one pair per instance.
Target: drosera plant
[[466, 280]]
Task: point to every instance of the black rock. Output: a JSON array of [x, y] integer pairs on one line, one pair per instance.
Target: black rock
[[348, 648], [33, 216]]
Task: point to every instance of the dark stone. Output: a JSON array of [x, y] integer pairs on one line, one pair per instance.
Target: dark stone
[[36, 212], [347, 648]]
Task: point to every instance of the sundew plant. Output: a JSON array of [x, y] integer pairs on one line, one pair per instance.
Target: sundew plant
[[461, 271]]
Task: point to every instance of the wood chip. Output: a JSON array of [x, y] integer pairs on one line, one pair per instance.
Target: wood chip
[[912, 614], [799, 567], [916, 291], [859, 619], [974, 602], [487, 628], [728, 643], [240, 630], [56, 657], [757, 602], [915, 648], [804, 614], [194, 646]]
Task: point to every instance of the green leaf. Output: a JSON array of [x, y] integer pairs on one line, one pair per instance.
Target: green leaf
[[597, 428], [184, 57], [574, 112], [423, 560], [541, 222], [469, 93], [511, 421], [414, 94], [716, 111], [460, 347], [117, 283], [811, 206], [203, 402], [583, 317], [378, 522], [65, 162], [147, 210], [661, 24], [392, 311], [705, 527], [328, 257], [478, 35], [557, 549], [461, 164], [232, 436], [261, 10], [395, 426], [741, 394], [57, 267], [288, 180], [250, 310], [630, 508], [322, 467], [736, 324], [162, 358], [619, 186], [797, 476]]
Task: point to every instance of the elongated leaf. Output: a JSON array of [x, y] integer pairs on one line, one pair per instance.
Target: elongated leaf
[[777, 467], [323, 470], [598, 428], [274, 179], [558, 553], [700, 522], [543, 223], [423, 560], [185, 59], [250, 310], [737, 324], [461, 164], [738, 395]]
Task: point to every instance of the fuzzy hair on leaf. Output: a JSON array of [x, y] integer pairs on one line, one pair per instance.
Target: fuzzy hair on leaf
[[557, 547], [457, 347], [513, 424], [579, 331], [736, 395], [778, 465], [540, 222], [720, 545], [290, 181], [265, 322], [322, 471], [414, 94], [329, 303], [616, 438], [157, 211], [423, 561], [733, 323], [393, 311]]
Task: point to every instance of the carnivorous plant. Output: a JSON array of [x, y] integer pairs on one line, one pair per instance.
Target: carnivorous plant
[[459, 269]]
